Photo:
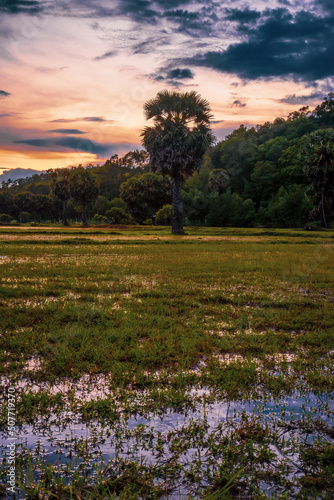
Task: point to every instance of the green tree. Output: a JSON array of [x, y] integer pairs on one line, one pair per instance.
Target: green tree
[[41, 206], [324, 113], [101, 205], [318, 155], [118, 202], [288, 208], [231, 210], [7, 203], [219, 180], [178, 140], [60, 187], [145, 194], [83, 189], [23, 203]]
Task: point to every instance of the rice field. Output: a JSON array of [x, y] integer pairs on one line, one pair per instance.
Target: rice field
[[149, 366]]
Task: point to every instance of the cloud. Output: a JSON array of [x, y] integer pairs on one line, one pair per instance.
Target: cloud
[[6, 114], [84, 119], [173, 76], [195, 23], [20, 6], [246, 16], [301, 99], [150, 45], [71, 143], [238, 104], [73, 131], [139, 10], [180, 74], [327, 5], [282, 45], [111, 53], [43, 69], [3, 93]]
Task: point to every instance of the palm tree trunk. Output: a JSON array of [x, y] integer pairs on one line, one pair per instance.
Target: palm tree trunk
[[323, 222], [177, 223], [84, 215]]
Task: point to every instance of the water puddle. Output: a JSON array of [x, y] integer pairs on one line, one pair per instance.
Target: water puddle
[[192, 443]]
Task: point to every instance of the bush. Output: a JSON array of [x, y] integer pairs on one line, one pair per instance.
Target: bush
[[25, 217], [5, 219], [100, 219], [117, 215], [147, 222], [164, 215]]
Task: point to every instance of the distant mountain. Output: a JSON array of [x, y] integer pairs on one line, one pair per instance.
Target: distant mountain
[[18, 173]]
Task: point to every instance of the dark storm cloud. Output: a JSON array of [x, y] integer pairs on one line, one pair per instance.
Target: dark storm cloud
[[281, 45], [149, 9], [196, 24], [20, 6], [145, 11], [73, 131], [246, 16], [138, 10], [3, 93], [84, 119], [72, 143], [172, 76], [180, 74], [327, 5], [182, 14], [302, 99], [106, 55]]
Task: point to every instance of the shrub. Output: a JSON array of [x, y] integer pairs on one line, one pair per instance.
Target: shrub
[[164, 215], [5, 218], [117, 215], [24, 217], [100, 219]]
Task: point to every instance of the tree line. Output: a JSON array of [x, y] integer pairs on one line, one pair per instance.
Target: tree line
[[276, 174]]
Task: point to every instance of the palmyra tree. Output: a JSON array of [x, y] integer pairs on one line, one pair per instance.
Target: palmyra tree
[[178, 140]]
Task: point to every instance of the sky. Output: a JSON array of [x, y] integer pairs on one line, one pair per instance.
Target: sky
[[75, 74]]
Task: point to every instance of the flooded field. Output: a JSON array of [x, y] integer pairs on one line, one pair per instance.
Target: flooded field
[[146, 366]]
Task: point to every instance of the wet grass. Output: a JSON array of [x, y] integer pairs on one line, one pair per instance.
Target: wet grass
[[243, 315]]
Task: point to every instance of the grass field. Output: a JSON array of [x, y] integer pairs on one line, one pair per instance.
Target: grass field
[[152, 366]]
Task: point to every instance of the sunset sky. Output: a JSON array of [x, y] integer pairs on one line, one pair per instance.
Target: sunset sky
[[74, 75]]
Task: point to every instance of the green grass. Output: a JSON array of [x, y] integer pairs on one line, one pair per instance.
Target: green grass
[[247, 314]]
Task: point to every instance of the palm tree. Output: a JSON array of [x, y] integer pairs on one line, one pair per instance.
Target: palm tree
[[319, 165], [60, 187], [178, 140], [83, 189]]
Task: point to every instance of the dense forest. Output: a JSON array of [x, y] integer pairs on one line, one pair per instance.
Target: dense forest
[[279, 174]]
